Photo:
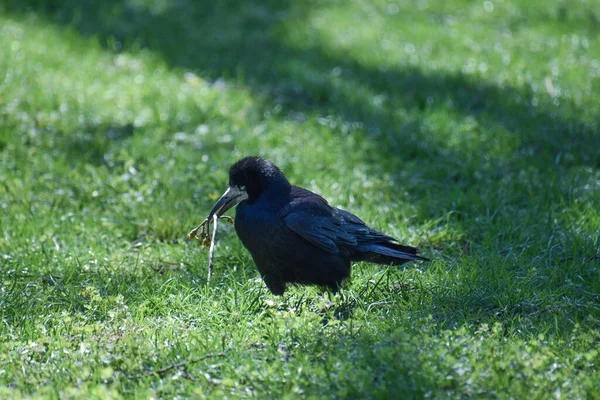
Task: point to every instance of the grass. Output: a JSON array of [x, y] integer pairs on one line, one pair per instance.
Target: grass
[[467, 128]]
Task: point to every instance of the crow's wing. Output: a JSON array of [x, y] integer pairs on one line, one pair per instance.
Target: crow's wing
[[328, 228], [324, 231]]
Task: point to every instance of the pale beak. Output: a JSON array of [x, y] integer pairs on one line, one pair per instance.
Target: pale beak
[[230, 198]]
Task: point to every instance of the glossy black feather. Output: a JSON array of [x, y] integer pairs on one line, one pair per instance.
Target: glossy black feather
[[295, 236]]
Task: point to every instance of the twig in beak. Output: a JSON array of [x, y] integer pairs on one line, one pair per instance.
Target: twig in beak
[[193, 232], [211, 251], [203, 228]]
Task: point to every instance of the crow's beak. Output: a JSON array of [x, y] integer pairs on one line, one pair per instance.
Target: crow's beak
[[230, 198]]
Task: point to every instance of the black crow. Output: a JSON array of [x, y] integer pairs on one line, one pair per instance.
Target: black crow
[[294, 235]]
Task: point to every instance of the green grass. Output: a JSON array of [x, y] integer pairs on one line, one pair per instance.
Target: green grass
[[469, 129]]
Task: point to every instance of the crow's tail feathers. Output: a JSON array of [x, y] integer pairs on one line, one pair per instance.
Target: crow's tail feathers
[[388, 253]]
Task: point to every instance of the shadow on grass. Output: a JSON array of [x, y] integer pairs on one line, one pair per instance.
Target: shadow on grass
[[241, 40]]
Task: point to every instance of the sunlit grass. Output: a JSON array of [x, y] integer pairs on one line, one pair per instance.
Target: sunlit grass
[[466, 128]]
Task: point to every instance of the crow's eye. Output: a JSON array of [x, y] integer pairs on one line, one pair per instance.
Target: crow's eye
[[243, 187]]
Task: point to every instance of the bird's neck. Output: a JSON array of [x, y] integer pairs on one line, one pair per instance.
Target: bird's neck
[[276, 195]]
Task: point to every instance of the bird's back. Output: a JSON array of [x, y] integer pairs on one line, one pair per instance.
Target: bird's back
[[335, 230]]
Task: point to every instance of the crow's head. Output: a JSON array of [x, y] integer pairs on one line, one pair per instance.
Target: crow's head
[[249, 178]]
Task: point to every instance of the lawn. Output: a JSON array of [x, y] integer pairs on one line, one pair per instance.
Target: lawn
[[467, 128]]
